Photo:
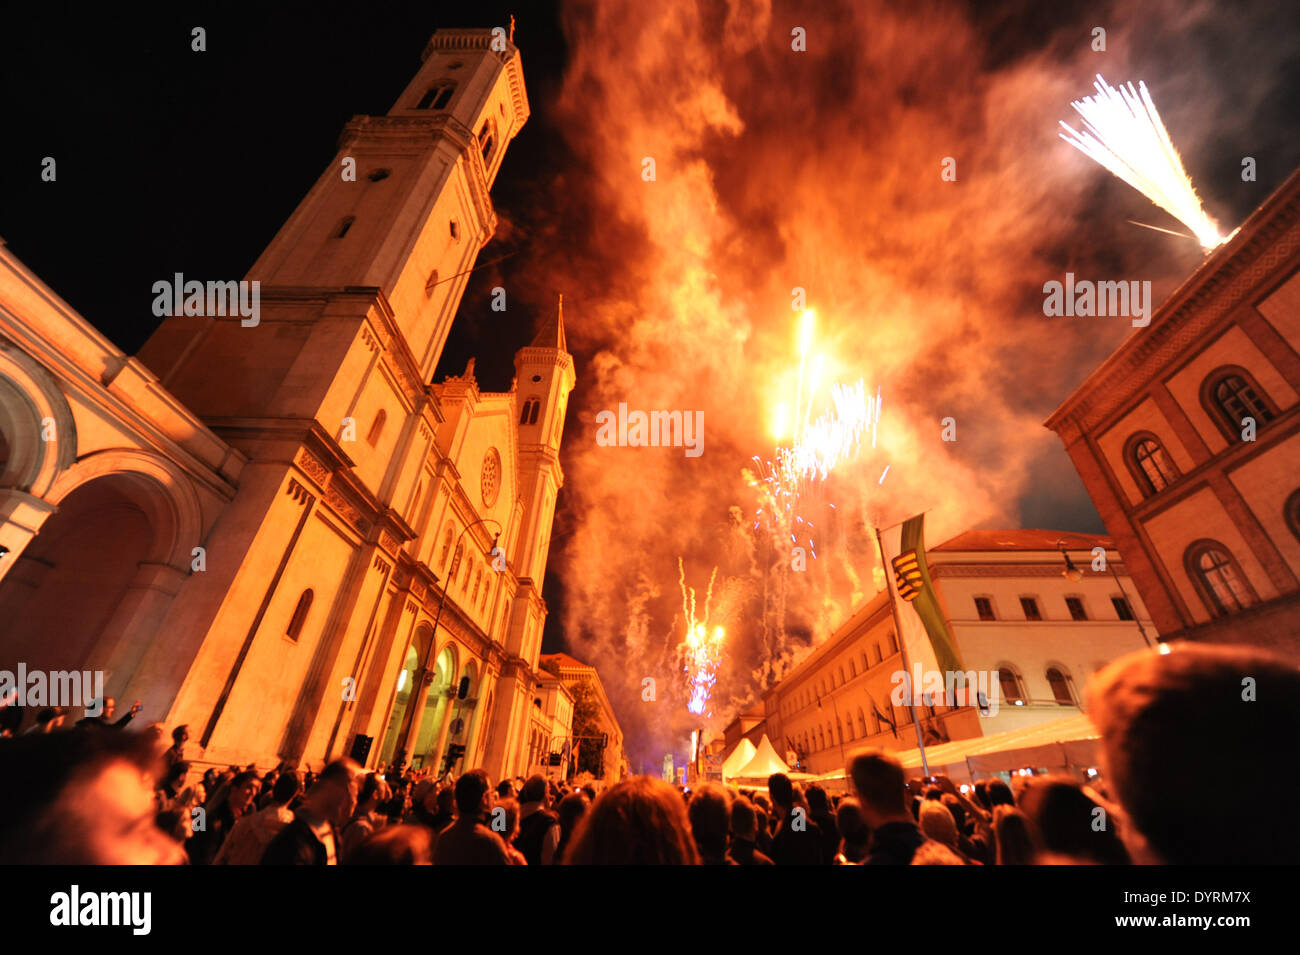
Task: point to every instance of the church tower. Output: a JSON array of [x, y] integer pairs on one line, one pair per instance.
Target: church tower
[[544, 376]]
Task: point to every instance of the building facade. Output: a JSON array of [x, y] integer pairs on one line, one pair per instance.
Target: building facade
[[1188, 441], [572, 672], [1029, 632], [280, 532]]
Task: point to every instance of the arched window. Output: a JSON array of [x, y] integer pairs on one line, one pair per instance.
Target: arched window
[[376, 428], [299, 618], [821, 739], [478, 582], [1291, 511], [529, 414], [1149, 464], [486, 138], [1231, 394], [853, 668], [446, 547], [1009, 684], [1216, 575], [865, 664], [893, 642], [875, 722], [437, 96], [862, 723], [455, 561], [1060, 687]]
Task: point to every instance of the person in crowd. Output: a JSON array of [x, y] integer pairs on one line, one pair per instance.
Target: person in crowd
[[640, 821], [505, 789], [1163, 716], [855, 834], [539, 828], [763, 814], [106, 713], [744, 834], [935, 853], [366, 819], [974, 847], [395, 845], [879, 781], [710, 816], [172, 793], [820, 811], [1066, 822], [395, 809], [254, 831], [570, 812], [998, 794], [505, 823], [937, 824], [424, 807], [468, 840], [798, 839], [220, 813], [312, 837], [48, 720], [81, 798], [1015, 844]]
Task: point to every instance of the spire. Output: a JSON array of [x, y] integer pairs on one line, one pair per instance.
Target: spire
[[551, 334]]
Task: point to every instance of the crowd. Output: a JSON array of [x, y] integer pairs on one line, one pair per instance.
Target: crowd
[[1193, 744]]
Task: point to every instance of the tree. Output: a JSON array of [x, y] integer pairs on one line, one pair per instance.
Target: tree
[[587, 723]]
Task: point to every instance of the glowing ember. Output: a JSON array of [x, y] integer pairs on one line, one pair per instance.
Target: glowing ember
[[701, 650], [1123, 133]]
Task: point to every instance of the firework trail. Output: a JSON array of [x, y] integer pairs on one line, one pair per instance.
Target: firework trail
[[701, 651], [1124, 133]]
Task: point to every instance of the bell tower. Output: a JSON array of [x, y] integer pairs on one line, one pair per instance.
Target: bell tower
[[544, 376]]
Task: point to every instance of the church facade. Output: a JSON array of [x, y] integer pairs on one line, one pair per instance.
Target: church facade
[[278, 531]]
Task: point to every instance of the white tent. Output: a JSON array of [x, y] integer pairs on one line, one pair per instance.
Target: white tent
[[738, 757], [765, 763]]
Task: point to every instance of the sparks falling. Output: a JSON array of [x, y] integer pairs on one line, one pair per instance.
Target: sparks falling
[[702, 649], [1124, 133]]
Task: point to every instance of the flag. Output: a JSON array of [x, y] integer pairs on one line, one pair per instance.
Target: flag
[[886, 720], [925, 636]]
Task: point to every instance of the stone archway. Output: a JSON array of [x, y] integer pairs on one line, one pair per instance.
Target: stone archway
[[91, 588]]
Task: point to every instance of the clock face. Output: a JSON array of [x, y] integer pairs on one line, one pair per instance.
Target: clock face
[[491, 479]]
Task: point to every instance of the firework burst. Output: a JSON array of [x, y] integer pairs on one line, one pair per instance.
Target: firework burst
[[701, 651], [1124, 133]]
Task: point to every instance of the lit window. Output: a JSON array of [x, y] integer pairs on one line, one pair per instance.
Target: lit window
[[1150, 465], [1218, 578], [1231, 395]]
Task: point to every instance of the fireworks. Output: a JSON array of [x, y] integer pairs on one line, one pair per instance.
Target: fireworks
[[1123, 132], [702, 648]]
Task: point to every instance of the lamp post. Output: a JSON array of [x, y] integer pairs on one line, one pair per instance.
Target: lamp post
[[425, 674], [1072, 572]]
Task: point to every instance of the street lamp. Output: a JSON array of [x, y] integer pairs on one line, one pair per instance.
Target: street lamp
[[1072, 572], [426, 673]]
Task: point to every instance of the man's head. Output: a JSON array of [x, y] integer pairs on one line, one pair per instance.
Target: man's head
[[744, 823], [710, 815], [180, 734], [780, 789], [817, 799], [1165, 718], [534, 789], [243, 790], [333, 794], [287, 785], [86, 799], [879, 781], [471, 794], [373, 791]]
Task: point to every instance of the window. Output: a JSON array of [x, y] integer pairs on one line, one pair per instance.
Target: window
[[1122, 609], [294, 630], [432, 283], [376, 428], [1030, 606], [1230, 394], [1060, 687], [1218, 578], [1075, 606], [1291, 511], [437, 96], [984, 607], [379, 175], [853, 668], [842, 680], [1149, 464], [875, 722], [866, 665], [1009, 684], [862, 723], [531, 408], [875, 652], [455, 561], [478, 582], [454, 228], [446, 547], [344, 226], [485, 141], [893, 642]]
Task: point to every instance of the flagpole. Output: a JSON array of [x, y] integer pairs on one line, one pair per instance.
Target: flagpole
[[902, 646]]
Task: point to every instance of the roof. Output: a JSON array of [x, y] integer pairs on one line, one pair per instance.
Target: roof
[[551, 334], [565, 661], [1022, 539]]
